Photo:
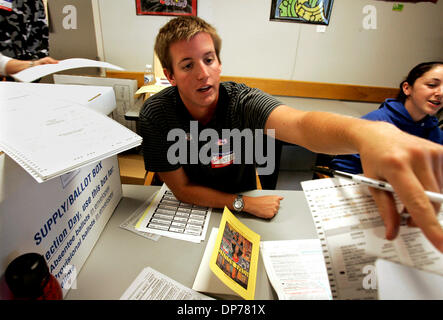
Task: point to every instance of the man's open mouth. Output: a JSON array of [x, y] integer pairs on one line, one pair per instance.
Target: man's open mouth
[[204, 89]]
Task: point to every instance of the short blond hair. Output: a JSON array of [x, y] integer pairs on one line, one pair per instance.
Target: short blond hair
[[182, 28]]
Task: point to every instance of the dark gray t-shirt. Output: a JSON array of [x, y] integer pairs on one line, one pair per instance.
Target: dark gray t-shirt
[[239, 107]]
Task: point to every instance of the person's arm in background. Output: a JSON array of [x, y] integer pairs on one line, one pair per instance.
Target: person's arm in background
[[14, 65], [410, 164]]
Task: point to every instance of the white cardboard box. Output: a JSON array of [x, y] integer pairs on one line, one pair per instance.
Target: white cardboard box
[[61, 218]]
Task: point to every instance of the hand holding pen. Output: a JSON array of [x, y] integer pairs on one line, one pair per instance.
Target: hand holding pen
[[411, 165], [378, 184]]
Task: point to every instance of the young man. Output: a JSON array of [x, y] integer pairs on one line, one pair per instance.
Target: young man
[[189, 50]]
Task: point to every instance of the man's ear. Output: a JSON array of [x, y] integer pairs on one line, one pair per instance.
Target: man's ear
[[169, 76]]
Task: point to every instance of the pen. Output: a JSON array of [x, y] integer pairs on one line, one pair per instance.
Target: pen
[[98, 95], [382, 185]]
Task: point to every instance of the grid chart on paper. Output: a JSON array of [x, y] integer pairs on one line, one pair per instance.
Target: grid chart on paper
[[176, 216]]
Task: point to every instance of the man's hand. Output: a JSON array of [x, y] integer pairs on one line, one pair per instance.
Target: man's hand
[[411, 165], [45, 60], [186, 191], [263, 206]]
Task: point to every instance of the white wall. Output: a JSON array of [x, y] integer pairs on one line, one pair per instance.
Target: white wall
[[256, 47], [347, 53]]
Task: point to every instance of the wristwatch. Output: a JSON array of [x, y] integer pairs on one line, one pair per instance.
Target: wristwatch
[[238, 203]]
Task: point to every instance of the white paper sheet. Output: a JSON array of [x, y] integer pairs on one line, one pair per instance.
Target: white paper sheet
[[172, 218], [153, 285], [399, 282], [296, 269], [34, 73]]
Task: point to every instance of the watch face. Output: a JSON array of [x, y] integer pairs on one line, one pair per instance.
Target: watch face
[[238, 204]]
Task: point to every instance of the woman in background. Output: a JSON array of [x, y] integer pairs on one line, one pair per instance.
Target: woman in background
[[413, 111]]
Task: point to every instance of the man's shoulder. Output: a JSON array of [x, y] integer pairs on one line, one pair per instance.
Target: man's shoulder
[[240, 93], [233, 88], [158, 103]]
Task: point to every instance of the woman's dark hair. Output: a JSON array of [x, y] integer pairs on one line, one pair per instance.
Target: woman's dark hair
[[414, 74]]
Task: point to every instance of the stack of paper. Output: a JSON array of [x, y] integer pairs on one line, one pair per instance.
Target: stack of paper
[[49, 136], [153, 285]]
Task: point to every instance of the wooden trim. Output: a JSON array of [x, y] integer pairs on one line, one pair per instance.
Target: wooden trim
[[304, 89], [292, 88]]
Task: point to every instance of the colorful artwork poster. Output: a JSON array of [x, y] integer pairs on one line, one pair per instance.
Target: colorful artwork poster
[[305, 11], [234, 256], [166, 7]]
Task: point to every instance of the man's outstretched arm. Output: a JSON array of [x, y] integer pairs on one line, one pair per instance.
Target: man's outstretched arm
[[410, 164]]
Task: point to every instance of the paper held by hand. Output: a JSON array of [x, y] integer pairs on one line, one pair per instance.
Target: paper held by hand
[[34, 73]]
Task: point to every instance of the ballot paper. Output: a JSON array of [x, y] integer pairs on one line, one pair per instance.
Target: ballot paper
[[352, 233], [153, 285], [172, 218], [34, 73], [296, 269]]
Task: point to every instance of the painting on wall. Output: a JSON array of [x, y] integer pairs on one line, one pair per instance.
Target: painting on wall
[[306, 11], [166, 7]]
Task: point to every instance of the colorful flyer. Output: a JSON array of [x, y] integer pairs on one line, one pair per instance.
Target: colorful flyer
[[234, 258]]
